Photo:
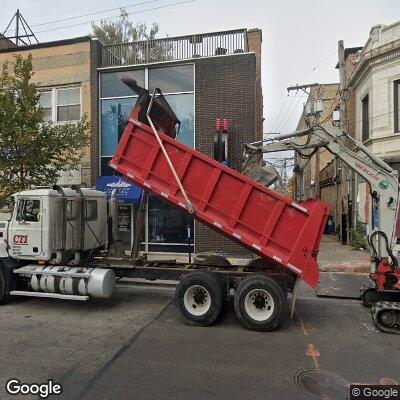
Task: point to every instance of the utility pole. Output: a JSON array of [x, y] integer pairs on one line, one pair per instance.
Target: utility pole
[[343, 128]]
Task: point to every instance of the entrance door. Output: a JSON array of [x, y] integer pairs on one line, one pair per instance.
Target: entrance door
[[26, 230]]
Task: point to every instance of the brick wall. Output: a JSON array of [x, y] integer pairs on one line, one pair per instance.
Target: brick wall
[[225, 88], [254, 40], [6, 43]]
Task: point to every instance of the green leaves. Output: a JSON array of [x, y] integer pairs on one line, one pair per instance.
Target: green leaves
[[123, 30], [32, 152]]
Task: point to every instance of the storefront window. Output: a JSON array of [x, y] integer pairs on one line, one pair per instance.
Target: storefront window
[[114, 116], [183, 106], [112, 86], [166, 227], [175, 79], [166, 224]]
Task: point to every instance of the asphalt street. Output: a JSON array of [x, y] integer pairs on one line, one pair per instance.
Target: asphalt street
[[136, 347]]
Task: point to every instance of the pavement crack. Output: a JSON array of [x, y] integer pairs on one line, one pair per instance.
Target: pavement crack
[[118, 354]]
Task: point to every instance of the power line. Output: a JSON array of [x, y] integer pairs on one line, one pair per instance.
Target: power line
[[290, 116], [285, 113], [279, 113], [117, 16], [95, 13]]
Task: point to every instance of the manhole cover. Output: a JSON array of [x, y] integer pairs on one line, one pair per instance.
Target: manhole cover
[[322, 384]]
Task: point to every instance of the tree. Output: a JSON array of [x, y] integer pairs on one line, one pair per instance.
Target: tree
[[123, 30], [32, 152], [142, 46]]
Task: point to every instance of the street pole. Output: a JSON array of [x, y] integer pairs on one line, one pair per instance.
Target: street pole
[[343, 128]]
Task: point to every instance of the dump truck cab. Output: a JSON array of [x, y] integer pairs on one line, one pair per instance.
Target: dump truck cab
[[47, 221]]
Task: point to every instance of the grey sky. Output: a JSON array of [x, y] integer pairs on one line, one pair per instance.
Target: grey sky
[[297, 35]]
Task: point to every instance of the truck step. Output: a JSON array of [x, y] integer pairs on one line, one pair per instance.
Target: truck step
[[33, 270], [49, 295]]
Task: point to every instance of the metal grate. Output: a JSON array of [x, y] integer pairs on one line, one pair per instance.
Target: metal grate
[[175, 48]]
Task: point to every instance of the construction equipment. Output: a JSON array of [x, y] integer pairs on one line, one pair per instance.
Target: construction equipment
[[76, 264], [383, 180]]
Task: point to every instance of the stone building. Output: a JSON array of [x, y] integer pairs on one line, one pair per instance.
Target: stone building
[[64, 73], [375, 83]]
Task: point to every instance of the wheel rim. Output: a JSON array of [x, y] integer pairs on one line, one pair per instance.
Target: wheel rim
[[197, 300], [259, 304]]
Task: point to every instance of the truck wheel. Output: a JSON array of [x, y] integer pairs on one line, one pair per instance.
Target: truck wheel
[[3, 289], [199, 298], [259, 303]]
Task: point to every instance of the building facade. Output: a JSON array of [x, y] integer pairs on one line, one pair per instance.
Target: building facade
[[64, 73], [203, 77], [376, 117], [324, 176]]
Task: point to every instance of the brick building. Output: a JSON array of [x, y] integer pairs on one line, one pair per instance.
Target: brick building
[[323, 177], [203, 77]]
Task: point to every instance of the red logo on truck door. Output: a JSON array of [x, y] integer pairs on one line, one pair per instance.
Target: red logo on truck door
[[20, 239]]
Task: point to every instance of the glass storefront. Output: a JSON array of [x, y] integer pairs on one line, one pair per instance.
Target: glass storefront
[[166, 228]]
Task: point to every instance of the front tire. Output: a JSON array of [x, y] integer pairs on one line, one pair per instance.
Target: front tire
[[259, 303], [199, 298], [3, 289]]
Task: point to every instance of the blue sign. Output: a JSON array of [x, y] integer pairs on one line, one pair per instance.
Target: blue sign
[[127, 192]]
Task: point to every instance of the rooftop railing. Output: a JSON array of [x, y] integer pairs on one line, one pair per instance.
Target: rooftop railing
[[175, 48]]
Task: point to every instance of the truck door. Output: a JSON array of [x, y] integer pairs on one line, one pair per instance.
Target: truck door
[[26, 230]]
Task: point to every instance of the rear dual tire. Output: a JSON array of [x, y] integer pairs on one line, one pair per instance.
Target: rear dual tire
[[259, 303]]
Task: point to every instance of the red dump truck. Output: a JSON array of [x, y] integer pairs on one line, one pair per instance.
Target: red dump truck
[[55, 245], [285, 235]]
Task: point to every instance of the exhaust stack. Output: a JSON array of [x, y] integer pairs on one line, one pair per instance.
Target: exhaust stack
[[79, 231], [60, 225]]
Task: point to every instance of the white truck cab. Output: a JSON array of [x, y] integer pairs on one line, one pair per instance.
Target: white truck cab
[[46, 245], [36, 222]]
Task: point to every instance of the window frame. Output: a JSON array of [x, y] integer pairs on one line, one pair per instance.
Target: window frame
[[21, 206], [54, 102], [51, 102], [365, 134], [396, 105], [91, 217], [57, 90]]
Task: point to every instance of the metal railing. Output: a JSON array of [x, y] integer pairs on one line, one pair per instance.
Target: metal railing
[[175, 48]]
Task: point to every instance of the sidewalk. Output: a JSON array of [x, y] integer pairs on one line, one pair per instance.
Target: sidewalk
[[336, 257]]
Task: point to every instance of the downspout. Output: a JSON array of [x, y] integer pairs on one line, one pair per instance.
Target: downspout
[[60, 226]]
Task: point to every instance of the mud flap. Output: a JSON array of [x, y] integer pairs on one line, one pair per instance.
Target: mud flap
[[294, 295]]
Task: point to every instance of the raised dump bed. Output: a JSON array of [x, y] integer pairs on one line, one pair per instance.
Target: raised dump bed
[[260, 219]]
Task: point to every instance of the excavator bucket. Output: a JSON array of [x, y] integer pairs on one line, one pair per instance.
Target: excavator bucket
[[260, 171]]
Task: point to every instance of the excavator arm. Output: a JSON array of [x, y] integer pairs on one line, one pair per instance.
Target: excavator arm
[[382, 178]]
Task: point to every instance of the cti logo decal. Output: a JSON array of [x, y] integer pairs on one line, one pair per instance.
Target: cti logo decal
[[20, 239]]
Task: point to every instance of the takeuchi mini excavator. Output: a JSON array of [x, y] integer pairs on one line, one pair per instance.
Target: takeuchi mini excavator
[[383, 294]]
